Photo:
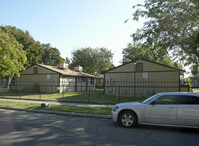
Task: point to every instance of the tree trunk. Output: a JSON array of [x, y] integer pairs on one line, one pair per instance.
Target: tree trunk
[[9, 81]]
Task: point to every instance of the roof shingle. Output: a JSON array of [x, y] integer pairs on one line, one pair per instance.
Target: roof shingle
[[66, 72]]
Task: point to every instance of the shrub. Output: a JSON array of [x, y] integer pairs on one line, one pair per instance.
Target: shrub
[[36, 88], [25, 90]]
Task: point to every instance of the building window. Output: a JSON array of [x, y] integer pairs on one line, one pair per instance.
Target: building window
[[84, 80], [139, 67], [65, 81], [79, 79], [92, 81], [48, 77], [35, 70], [145, 75], [112, 82]]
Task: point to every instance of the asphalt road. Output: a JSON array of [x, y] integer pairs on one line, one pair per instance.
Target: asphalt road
[[20, 128]]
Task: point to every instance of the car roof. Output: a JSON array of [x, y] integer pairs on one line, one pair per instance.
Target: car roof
[[179, 93]]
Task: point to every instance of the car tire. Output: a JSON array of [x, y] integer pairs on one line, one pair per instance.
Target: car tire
[[128, 119]]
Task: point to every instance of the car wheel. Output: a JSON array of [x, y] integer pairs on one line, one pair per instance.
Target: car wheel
[[128, 119]]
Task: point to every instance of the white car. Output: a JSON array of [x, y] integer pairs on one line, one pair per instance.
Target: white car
[[169, 109]]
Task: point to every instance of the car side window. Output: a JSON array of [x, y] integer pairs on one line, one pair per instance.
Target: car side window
[[188, 99], [166, 99]]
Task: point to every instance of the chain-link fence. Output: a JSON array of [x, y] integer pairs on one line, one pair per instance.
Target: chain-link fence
[[110, 94]]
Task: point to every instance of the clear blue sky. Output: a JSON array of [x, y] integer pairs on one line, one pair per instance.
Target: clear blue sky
[[72, 24]]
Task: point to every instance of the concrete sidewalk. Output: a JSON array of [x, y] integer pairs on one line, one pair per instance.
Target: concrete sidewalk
[[60, 103], [58, 112]]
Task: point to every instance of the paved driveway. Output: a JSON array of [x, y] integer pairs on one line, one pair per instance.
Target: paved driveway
[[26, 128]]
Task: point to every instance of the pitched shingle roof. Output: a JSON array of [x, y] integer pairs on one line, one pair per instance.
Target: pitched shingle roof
[[146, 61], [66, 72], [100, 76]]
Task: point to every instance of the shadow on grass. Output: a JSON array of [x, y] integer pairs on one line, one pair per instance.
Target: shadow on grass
[[63, 108], [93, 97]]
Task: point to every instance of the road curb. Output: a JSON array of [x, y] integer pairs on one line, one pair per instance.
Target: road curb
[[59, 113]]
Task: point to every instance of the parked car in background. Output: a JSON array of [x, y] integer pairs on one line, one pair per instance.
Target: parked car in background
[[168, 109]]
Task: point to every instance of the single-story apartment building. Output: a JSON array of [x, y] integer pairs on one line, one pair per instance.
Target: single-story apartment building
[[53, 79], [142, 78], [100, 81]]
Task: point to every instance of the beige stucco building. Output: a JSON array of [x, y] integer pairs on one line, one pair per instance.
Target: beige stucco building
[[53, 79], [141, 78], [100, 81]]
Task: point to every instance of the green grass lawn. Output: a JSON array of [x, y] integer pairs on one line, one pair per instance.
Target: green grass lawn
[[95, 96], [63, 108]]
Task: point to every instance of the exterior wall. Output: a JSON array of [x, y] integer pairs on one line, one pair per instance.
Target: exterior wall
[[99, 82], [147, 66], [53, 82], [73, 84], [67, 84], [126, 81], [185, 88], [48, 80], [85, 84]]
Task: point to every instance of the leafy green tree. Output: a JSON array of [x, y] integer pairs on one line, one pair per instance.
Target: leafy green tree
[[51, 56], [34, 53], [33, 49], [139, 51], [195, 77], [93, 61], [188, 82], [171, 25], [12, 55], [136, 51], [67, 60]]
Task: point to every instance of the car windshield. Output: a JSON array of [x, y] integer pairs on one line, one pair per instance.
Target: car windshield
[[149, 99]]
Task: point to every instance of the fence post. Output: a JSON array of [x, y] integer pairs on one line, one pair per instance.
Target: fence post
[[188, 88], [89, 94], [63, 93], [3, 92], [16, 91], [153, 90], [20, 94], [134, 81], [119, 93], [40, 93]]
